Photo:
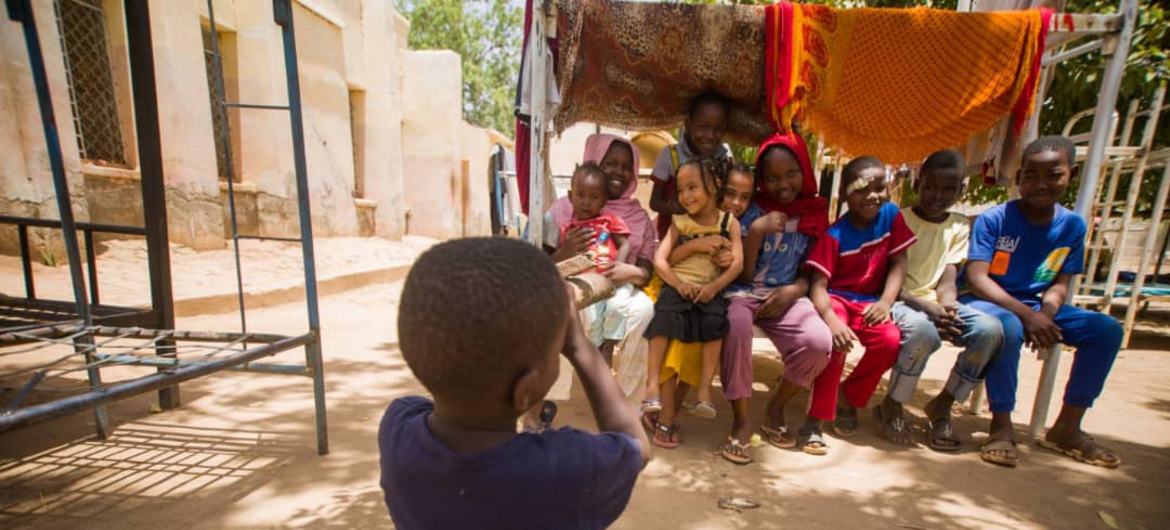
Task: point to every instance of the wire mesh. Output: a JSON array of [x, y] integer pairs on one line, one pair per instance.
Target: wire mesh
[[82, 26]]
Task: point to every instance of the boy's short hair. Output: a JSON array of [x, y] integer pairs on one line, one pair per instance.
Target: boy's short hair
[[709, 97], [945, 160], [1056, 143], [476, 312], [588, 168], [854, 168]]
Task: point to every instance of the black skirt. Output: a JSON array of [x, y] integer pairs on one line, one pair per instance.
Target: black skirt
[[688, 321]]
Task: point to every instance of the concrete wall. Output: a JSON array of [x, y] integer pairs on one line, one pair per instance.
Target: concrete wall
[[411, 150]]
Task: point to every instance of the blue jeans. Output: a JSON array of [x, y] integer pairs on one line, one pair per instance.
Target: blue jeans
[[1097, 338], [982, 338]]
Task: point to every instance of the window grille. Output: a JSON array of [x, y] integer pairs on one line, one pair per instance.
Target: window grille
[[92, 101]]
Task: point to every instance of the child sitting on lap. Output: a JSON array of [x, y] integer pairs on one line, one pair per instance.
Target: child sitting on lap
[[690, 307], [1023, 256], [608, 242], [482, 323], [858, 267]]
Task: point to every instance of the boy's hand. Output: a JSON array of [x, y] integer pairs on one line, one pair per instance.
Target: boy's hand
[[574, 333], [775, 304], [771, 223], [945, 318], [1040, 330], [713, 244], [877, 313], [843, 337], [620, 273], [706, 293], [688, 290], [578, 239], [722, 258]]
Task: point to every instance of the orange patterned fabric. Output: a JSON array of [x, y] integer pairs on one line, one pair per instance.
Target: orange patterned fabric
[[901, 83]]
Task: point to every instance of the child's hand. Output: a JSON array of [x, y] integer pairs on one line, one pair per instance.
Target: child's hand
[[713, 244], [877, 313], [575, 333], [722, 258], [945, 319], [578, 239], [707, 293], [843, 337], [772, 223], [620, 273], [1040, 330], [688, 290]]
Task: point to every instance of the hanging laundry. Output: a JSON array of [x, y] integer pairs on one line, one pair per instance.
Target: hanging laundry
[[900, 83], [638, 65]]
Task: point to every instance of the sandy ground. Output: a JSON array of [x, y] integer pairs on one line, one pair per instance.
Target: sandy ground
[[266, 265], [240, 453]]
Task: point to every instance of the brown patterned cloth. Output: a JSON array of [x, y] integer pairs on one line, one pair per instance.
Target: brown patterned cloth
[[638, 65]]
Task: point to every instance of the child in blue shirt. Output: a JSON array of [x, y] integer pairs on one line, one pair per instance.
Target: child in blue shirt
[[482, 324], [1022, 256]]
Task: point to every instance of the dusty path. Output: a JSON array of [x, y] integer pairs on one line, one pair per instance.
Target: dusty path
[[240, 454]]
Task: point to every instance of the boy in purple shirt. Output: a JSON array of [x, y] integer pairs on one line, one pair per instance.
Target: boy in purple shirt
[[481, 324]]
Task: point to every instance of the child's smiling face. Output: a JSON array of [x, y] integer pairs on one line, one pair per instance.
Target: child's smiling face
[[705, 128], [693, 193], [738, 193], [939, 190], [868, 192], [588, 194], [618, 164], [783, 177], [1043, 178]]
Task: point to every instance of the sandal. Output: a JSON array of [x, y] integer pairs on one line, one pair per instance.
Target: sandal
[[650, 421], [666, 437], [942, 437], [778, 437], [894, 429], [705, 410], [1082, 448], [651, 405], [812, 442], [736, 452], [845, 425], [991, 452]]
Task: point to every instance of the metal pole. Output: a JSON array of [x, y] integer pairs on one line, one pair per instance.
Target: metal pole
[[21, 11], [30, 288], [282, 13], [1106, 101], [150, 165], [1147, 255], [538, 82]]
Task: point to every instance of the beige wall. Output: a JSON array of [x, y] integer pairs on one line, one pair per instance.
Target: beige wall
[[413, 151]]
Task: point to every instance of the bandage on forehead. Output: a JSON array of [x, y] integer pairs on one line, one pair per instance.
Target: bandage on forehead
[[862, 183]]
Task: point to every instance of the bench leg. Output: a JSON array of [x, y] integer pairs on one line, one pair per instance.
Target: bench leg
[[1044, 391], [975, 404]]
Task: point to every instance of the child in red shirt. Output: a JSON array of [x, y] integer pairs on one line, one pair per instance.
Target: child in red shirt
[[608, 243], [858, 267]]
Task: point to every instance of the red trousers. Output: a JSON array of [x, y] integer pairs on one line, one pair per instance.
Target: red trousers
[[880, 344]]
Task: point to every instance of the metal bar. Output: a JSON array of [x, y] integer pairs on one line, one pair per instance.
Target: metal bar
[[1051, 360], [165, 377], [537, 122], [91, 265], [270, 238], [1075, 51], [1135, 186], [21, 10], [1135, 297], [53, 223], [283, 14], [150, 163], [1106, 101], [24, 392], [242, 105], [229, 163], [59, 330], [30, 288], [262, 368]]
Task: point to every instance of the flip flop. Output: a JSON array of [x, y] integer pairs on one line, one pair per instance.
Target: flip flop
[[893, 430], [845, 424], [666, 437], [736, 452], [942, 437], [651, 405], [650, 421], [705, 410], [778, 437], [1008, 446], [1083, 448], [812, 443]]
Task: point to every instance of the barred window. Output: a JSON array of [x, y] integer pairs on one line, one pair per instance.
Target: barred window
[[219, 120], [92, 99]]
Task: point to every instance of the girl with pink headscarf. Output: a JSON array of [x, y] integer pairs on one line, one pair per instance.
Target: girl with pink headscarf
[[624, 317]]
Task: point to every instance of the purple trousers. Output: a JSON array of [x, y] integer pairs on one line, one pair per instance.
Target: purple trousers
[[799, 334]]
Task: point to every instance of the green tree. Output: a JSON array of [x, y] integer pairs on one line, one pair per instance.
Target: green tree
[[486, 34]]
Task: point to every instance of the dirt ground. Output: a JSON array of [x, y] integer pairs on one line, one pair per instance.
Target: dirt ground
[[240, 453]]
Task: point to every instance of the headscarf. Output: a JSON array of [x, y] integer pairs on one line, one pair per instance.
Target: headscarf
[[812, 210], [643, 238]]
